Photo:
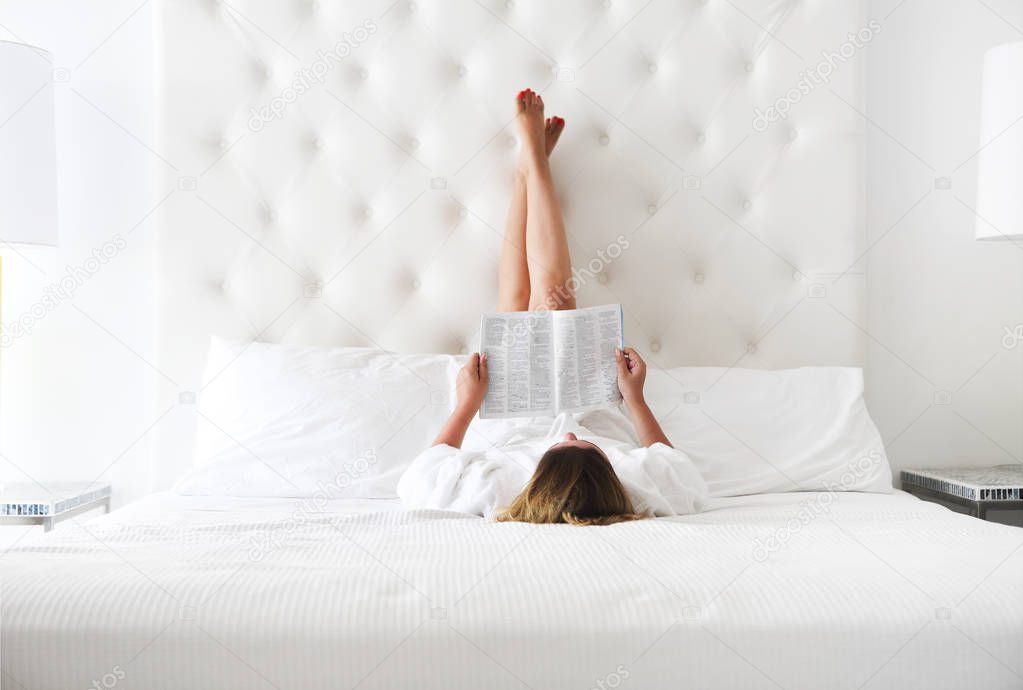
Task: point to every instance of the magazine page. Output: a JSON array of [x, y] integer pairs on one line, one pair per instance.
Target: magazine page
[[584, 357], [519, 347]]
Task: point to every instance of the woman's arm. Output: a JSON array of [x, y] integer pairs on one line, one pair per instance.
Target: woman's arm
[[470, 389], [631, 377]]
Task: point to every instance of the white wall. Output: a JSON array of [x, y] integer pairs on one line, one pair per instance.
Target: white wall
[[938, 301], [76, 391]]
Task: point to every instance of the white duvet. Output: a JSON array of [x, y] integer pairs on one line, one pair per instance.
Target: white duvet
[[810, 590]]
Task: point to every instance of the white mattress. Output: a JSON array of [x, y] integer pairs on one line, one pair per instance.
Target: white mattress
[[878, 591]]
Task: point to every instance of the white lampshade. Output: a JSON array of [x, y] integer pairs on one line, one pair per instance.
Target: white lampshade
[[1000, 164], [28, 158]]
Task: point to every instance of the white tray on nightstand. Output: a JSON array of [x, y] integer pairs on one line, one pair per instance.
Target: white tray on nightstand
[[978, 489], [48, 503]]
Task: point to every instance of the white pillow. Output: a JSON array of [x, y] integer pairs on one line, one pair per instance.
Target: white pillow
[[753, 431], [279, 420]]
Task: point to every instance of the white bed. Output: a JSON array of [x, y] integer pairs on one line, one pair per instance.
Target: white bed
[[866, 590]]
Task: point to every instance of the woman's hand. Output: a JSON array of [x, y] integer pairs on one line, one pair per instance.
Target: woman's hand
[[631, 375], [470, 389], [471, 384]]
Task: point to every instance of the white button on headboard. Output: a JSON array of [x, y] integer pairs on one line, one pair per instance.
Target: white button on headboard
[[387, 184]]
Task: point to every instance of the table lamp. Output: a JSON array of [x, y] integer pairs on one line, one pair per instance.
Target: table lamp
[[28, 158], [28, 195], [1000, 163]]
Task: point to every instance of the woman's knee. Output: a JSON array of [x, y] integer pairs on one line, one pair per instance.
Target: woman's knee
[[516, 299], [555, 297]]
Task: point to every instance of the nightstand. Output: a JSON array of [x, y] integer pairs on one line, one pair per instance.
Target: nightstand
[[46, 505], [978, 489]]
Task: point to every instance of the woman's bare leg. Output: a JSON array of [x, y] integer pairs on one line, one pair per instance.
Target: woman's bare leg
[[513, 288], [547, 253], [513, 272]]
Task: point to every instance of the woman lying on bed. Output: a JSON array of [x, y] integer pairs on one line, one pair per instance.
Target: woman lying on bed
[[584, 470]]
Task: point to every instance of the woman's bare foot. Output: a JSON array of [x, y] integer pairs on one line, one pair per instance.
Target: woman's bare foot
[[532, 131], [552, 132]]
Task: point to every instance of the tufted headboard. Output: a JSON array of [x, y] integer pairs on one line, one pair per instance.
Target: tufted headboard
[[338, 174]]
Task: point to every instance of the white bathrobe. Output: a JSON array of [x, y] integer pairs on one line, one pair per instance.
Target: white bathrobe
[[660, 480]]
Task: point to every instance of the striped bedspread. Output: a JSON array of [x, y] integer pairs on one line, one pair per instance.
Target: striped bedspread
[[791, 591]]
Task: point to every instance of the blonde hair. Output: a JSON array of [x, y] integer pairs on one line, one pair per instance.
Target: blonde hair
[[575, 486]]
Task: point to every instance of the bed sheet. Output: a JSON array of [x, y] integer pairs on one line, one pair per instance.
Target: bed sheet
[[789, 590]]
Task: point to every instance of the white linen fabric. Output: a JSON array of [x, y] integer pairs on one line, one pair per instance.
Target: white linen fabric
[[659, 480], [751, 431], [811, 590], [281, 420]]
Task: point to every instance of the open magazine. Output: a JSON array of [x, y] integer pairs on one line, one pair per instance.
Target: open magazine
[[546, 362]]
